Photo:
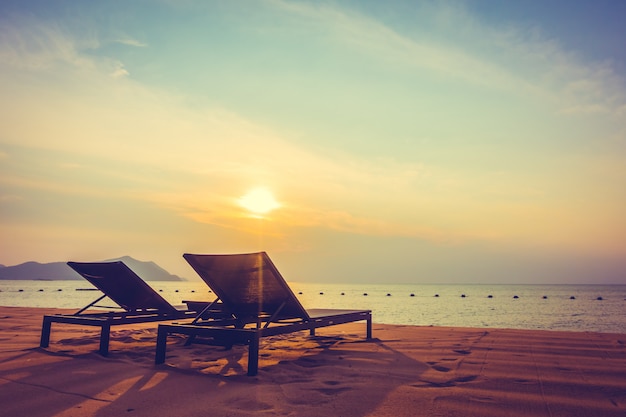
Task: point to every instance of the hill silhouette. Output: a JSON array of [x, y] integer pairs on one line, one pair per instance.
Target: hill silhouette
[[149, 271]]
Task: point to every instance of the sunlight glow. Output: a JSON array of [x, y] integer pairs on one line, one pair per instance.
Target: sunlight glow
[[259, 201]]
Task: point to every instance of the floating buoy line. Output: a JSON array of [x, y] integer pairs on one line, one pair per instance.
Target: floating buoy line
[[365, 294]]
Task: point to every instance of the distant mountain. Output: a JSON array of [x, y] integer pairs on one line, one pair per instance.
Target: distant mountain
[[60, 271], [148, 270]]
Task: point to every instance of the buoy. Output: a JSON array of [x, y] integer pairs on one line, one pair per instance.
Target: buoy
[[462, 295], [176, 291], [365, 293], [160, 290], [545, 297], [59, 289], [343, 293], [412, 295], [388, 295], [599, 298], [300, 292], [193, 290], [516, 297], [21, 290], [490, 296], [321, 293], [436, 295], [40, 290], [572, 298]]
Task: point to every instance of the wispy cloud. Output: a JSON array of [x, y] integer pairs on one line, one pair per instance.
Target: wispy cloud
[[131, 42], [119, 71], [28, 43], [48, 48], [519, 59], [169, 148], [412, 49]]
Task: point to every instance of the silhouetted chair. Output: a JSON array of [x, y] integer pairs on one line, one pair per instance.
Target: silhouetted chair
[[262, 304], [137, 301]]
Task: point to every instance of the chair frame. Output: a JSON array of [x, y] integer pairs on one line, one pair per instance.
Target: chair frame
[[123, 314], [248, 330]]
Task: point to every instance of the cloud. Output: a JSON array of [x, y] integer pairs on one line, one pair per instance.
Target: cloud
[[456, 44], [144, 144], [141, 143], [47, 48], [120, 71], [192, 161], [414, 50], [131, 42], [28, 43]]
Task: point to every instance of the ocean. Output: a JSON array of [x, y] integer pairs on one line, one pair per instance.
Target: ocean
[[595, 308]]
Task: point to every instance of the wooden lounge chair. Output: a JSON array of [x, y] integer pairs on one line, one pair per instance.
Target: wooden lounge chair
[[137, 303], [252, 289]]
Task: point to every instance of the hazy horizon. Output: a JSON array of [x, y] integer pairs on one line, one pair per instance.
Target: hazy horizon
[[354, 141]]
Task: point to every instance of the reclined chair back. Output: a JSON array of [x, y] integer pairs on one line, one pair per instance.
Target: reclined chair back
[[118, 282], [249, 286]]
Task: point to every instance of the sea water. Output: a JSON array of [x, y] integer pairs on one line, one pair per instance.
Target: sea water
[[598, 308]]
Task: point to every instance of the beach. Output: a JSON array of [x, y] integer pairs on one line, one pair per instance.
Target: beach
[[402, 371]]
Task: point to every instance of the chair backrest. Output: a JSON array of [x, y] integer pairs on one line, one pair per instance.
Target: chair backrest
[[122, 285], [248, 284]]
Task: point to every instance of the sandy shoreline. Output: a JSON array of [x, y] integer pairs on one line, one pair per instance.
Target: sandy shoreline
[[403, 371]]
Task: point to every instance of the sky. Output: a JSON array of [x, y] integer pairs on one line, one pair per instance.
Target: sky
[[354, 141]]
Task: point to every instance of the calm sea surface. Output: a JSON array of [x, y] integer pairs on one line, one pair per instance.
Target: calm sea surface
[[548, 307]]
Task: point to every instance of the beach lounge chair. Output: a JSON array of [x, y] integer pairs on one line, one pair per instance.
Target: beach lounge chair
[[251, 288], [137, 303]]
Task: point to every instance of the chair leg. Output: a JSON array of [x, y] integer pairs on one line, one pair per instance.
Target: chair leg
[[161, 346], [253, 355], [45, 332], [369, 326], [190, 339], [104, 339]]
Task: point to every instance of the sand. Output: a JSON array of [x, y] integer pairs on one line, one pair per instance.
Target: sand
[[403, 371]]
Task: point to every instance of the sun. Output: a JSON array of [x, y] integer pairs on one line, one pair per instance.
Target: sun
[[259, 201]]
